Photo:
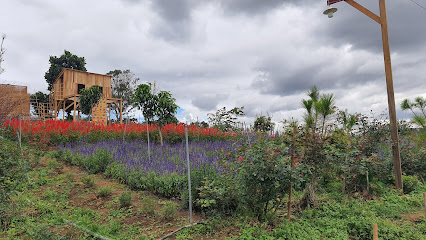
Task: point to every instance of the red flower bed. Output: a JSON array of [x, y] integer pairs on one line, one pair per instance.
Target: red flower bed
[[56, 131]]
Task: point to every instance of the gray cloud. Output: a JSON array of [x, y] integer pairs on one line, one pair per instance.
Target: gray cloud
[[351, 26], [262, 55], [209, 102]]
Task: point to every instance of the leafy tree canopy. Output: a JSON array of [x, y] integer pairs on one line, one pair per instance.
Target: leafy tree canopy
[[225, 119], [159, 106], [88, 98], [145, 99], [66, 60], [166, 108]]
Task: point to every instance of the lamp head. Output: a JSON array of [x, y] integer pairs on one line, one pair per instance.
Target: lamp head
[[329, 12]]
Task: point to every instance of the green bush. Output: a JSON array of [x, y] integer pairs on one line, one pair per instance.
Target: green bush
[[411, 183], [167, 185], [98, 162], [88, 181], [105, 191], [264, 175], [169, 211], [70, 177], [125, 199], [54, 165], [148, 205]]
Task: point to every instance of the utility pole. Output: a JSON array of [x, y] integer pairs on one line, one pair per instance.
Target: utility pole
[[382, 20]]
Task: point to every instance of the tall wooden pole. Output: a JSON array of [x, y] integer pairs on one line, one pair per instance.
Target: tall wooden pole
[[382, 20], [391, 98]]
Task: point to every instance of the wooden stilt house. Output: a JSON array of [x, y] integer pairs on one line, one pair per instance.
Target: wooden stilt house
[[65, 92]]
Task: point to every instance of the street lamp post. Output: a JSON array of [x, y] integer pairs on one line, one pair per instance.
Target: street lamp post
[[382, 20]]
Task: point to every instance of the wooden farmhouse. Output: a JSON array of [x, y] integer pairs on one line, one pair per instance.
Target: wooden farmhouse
[[65, 91], [14, 101]]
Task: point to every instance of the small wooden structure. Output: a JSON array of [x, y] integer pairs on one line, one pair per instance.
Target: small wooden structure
[[14, 101], [65, 92]]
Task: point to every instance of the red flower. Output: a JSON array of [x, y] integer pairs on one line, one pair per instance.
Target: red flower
[[240, 159], [272, 136]]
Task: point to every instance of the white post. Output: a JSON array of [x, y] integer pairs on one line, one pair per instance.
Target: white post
[[189, 174], [147, 135]]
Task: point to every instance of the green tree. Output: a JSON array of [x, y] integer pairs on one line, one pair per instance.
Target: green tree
[[318, 105], [146, 100], [88, 98], [38, 98], [325, 107], [123, 85], [225, 119], [66, 60], [417, 108], [311, 115], [166, 108], [155, 106]]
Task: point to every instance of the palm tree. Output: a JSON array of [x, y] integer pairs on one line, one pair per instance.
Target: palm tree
[[325, 107], [312, 115], [420, 104], [309, 118]]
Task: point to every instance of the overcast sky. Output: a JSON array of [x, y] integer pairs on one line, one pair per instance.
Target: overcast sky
[[260, 54]]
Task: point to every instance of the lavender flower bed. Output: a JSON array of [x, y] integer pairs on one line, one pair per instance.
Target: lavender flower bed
[[163, 159]]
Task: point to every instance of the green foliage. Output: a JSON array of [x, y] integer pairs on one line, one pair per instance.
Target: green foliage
[[155, 106], [169, 211], [146, 100], [104, 191], [411, 183], [70, 177], [351, 219], [12, 180], [66, 60], [54, 165], [125, 199], [148, 205], [263, 124], [225, 119], [88, 98], [166, 185], [318, 105], [166, 108], [88, 181], [418, 108], [264, 176], [217, 194], [98, 162]]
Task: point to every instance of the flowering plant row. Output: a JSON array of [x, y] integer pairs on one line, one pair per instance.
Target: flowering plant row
[[56, 131]]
